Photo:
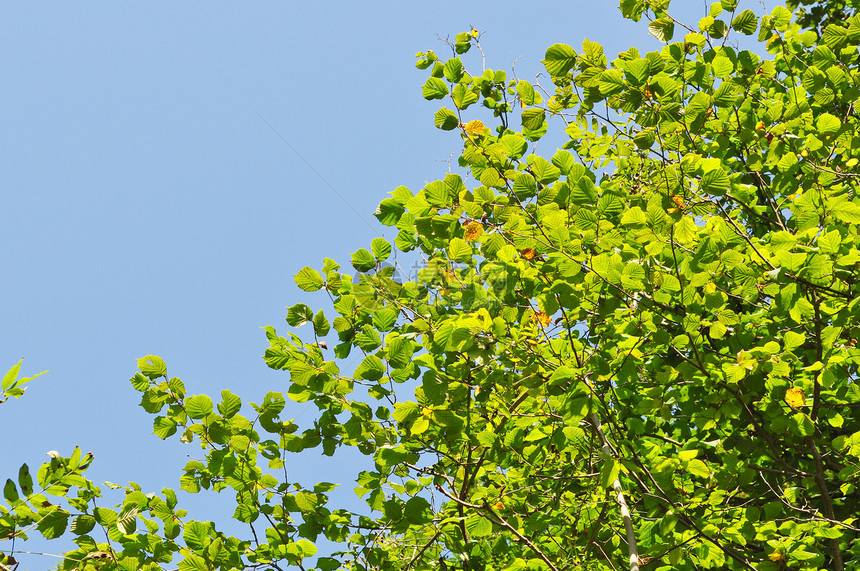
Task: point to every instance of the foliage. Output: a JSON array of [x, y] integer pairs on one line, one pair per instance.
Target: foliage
[[818, 14], [12, 385], [640, 350]]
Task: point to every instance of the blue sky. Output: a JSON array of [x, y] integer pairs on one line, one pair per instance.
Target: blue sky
[[148, 209]]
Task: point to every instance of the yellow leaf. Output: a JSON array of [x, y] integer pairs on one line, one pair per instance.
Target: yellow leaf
[[527, 253], [543, 318], [474, 229], [795, 397], [474, 128], [746, 360], [776, 556]]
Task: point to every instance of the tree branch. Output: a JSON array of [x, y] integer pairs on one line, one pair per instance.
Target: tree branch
[[632, 550]]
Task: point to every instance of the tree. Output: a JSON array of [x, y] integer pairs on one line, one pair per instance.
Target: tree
[[639, 352]]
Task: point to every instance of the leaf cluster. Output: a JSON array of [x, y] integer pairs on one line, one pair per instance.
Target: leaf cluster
[[638, 351]]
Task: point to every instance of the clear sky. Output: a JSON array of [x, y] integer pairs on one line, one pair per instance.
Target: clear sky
[[148, 209]]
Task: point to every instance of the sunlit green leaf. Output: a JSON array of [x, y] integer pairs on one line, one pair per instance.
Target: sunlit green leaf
[[152, 366], [559, 59], [745, 22], [662, 28], [435, 88], [230, 404], [299, 314], [446, 119], [308, 279], [198, 406], [363, 260]]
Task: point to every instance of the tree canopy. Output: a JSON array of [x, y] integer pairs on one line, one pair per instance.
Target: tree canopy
[[637, 352]]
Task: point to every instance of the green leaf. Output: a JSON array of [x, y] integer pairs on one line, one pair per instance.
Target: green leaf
[[559, 59], [459, 250], [308, 279], [514, 145], [126, 523], [381, 249], [399, 351], [405, 411], [389, 211], [803, 424], [196, 535], [715, 182], [163, 427], [848, 212], [698, 468], [663, 29], [705, 23], [140, 382], [446, 119], [384, 319], [25, 480], [611, 82], [533, 118], [418, 510], [827, 124], [53, 524], [371, 368], [83, 524], [11, 384], [230, 404], [435, 88], [305, 548], [246, 513], [463, 97], [632, 9], [300, 314], [609, 472], [717, 330], [792, 340], [834, 35], [695, 39], [637, 71], [105, 516], [745, 22], [321, 324], [198, 406], [307, 501], [273, 403], [780, 16], [526, 93], [633, 216], [193, 562], [152, 366], [368, 339], [723, 66], [10, 492], [11, 376], [453, 70], [718, 29], [363, 261], [478, 526]]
